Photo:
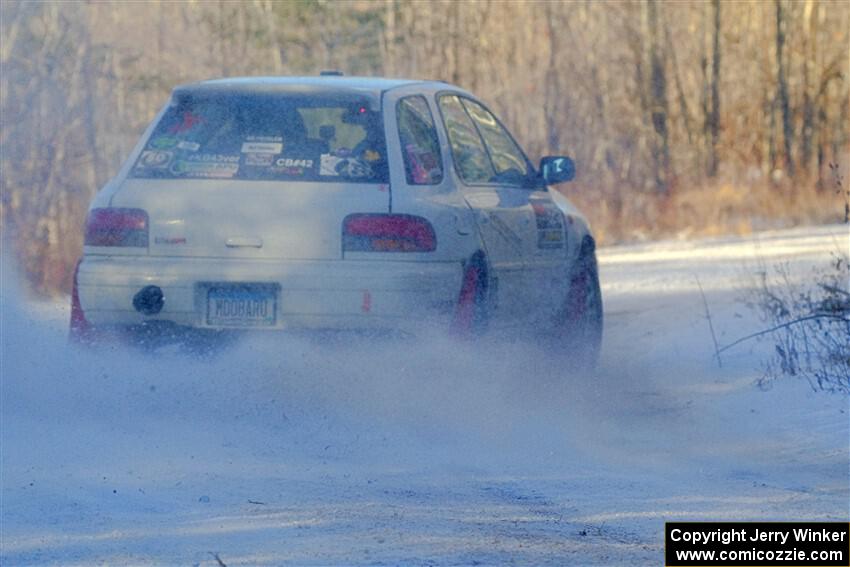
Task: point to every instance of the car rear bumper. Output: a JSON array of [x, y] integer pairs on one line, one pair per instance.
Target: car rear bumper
[[340, 294]]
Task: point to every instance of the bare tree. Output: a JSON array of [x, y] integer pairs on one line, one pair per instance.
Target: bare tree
[[622, 87], [713, 117], [658, 99], [782, 86]]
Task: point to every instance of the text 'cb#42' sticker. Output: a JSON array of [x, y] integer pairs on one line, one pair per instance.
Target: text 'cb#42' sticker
[[291, 166]]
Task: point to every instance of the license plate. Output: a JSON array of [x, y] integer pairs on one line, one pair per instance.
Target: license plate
[[242, 306]]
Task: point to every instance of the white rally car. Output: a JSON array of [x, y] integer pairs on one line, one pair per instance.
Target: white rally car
[[335, 203]]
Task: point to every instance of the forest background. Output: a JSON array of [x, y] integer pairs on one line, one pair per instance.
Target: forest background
[[685, 118]]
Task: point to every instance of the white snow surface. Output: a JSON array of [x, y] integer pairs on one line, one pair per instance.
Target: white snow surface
[[288, 451]]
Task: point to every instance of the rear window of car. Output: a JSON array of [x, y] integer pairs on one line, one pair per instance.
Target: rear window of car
[[267, 137]]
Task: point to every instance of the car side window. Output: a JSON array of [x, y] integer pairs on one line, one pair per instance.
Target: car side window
[[467, 148], [508, 160], [420, 146]]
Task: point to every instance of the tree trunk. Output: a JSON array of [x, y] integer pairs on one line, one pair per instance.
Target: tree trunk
[[714, 116], [658, 102], [782, 88], [550, 101], [810, 52]]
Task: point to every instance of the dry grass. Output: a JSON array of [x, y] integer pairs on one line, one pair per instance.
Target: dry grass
[[722, 208]]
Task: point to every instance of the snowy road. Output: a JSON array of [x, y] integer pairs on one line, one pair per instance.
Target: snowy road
[[427, 453]]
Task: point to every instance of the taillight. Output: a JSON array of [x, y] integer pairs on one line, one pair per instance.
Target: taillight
[[387, 233], [117, 227]]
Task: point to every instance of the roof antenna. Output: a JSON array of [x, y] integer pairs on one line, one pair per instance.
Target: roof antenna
[[330, 73]]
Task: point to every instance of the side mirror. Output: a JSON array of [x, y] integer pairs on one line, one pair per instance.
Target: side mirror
[[557, 169]]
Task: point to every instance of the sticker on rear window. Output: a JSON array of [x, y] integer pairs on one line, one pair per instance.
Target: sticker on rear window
[[163, 142], [328, 164], [346, 167], [204, 169], [296, 167], [262, 147], [154, 159], [290, 162], [259, 160], [190, 146], [214, 158], [256, 137]]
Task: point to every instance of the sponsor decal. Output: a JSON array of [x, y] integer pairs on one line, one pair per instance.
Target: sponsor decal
[[163, 142], [328, 163], [262, 147], [204, 169], [355, 168], [550, 225], [292, 162], [155, 159], [187, 145], [259, 160], [214, 158], [348, 167], [547, 215], [550, 239]]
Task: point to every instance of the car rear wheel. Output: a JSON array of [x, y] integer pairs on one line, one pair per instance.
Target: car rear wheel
[[471, 311], [579, 323]]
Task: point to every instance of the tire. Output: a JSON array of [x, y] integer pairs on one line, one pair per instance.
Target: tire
[[471, 313], [579, 324]]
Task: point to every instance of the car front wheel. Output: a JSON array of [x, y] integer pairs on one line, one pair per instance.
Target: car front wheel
[[578, 325]]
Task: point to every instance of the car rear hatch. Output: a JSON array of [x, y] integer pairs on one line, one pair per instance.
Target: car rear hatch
[[268, 174], [253, 219]]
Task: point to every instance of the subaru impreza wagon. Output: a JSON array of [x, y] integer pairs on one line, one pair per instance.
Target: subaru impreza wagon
[[336, 203]]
